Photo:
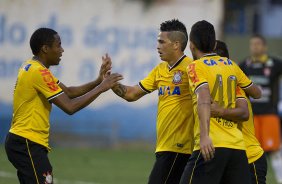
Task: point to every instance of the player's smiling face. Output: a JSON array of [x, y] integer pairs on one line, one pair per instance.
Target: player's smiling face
[[55, 51], [165, 46]]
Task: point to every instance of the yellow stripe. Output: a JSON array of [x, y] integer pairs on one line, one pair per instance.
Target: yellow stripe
[[255, 173], [171, 168], [31, 161], [194, 168]]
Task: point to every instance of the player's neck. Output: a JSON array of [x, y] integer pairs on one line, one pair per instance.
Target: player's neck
[[175, 59], [41, 61]]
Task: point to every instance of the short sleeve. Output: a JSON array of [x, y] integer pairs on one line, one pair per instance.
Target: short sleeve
[[196, 76], [243, 81], [240, 93], [46, 83], [148, 84]]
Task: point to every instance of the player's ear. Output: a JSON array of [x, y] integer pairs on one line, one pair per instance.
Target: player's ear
[[177, 45], [192, 46], [45, 48]]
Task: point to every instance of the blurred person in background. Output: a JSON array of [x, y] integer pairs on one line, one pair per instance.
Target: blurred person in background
[[175, 116], [265, 70], [256, 157], [36, 89]]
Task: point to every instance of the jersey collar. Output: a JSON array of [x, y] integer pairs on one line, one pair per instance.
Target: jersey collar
[[34, 58], [209, 54], [177, 63]]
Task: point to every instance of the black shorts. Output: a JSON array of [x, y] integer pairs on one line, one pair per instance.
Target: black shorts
[[259, 170], [229, 166], [30, 159], [168, 168]]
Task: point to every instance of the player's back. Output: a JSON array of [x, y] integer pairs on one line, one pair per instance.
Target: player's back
[[222, 75]]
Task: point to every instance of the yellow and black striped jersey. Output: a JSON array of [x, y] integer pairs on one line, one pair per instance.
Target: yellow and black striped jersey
[[175, 115], [222, 76], [31, 107]]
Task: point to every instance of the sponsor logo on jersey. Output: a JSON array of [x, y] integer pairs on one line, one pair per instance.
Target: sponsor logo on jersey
[[48, 78], [211, 62], [168, 90]]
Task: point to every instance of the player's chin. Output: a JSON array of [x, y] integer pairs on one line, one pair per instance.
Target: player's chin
[[57, 61], [162, 57]]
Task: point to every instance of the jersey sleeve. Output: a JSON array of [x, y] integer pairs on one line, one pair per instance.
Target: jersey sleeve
[[240, 94], [196, 78], [148, 84], [243, 81], [46, 83]]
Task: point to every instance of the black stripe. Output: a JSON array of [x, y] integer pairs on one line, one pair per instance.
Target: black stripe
[[247, 86], [199, 85], [178, 62], [55, 95], [144, 88], [58, 82]]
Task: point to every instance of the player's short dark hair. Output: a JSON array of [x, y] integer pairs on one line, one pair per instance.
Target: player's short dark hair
[[221, 49], [40, 37], [259, 36], [203, 36], [178, 31]]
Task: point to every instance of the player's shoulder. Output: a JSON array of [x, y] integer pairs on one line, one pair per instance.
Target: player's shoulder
[[162, 65], [188, 60], [32, 66]]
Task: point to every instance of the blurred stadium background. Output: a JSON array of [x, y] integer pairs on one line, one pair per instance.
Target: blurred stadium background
[[112, 141]]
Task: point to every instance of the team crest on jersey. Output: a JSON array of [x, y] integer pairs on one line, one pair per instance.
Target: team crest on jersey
[[177, 78], [48, 178]]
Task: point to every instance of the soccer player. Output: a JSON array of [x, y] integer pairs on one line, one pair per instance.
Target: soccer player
[[36, 89], [265, 71], [174, 121], [219, 152], [256, 157]]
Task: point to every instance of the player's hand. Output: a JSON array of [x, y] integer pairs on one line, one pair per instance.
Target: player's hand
[[106, 67], [110, 81], [216, 110], [206, 148]]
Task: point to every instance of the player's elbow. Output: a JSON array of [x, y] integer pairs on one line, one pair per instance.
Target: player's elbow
[[130, 99], [69, 110]]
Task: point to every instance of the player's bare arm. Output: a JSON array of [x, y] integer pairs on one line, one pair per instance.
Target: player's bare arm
[[129, 93], [238, 114], [71, 106], [76, 91], [254, 91], [203, 107]]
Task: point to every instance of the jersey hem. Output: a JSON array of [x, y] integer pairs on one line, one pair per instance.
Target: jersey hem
[[143, 88], [31, 139]]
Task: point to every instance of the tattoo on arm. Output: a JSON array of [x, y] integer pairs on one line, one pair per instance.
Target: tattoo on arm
[[120, 90]]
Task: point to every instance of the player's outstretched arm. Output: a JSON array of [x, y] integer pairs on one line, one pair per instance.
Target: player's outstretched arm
[[129, 93], [70, 106], [76, 91], [238, 114], [254, 91], [203, 107]]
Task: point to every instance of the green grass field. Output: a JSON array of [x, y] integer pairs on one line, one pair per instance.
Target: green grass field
[[94, 166]]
